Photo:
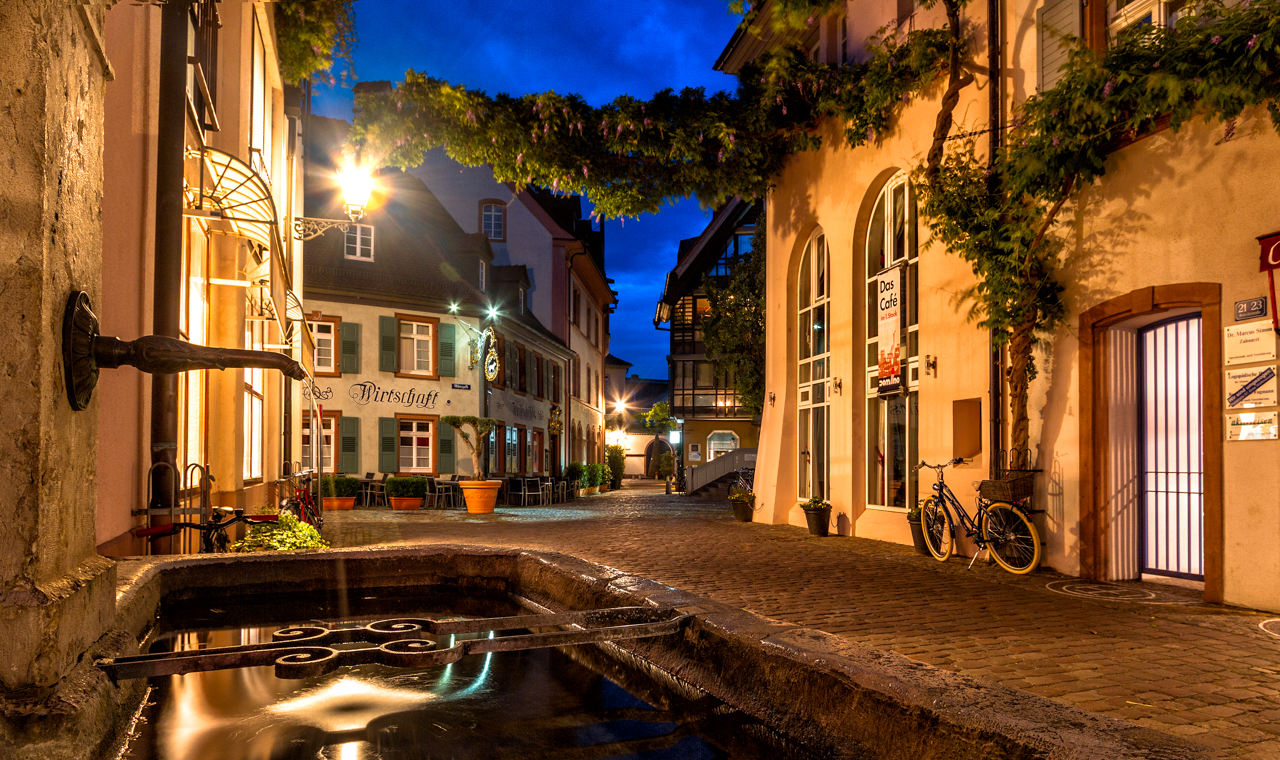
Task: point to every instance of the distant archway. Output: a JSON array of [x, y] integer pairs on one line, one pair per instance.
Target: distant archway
[[652, 453]]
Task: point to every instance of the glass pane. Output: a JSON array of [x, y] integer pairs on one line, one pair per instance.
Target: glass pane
[[913, 448], [873, 317], [912, 245], [913, 343], [875, 240], [406, 353], [913, 294], [819, 392], [899, 207], [819, 369], [819, 330], [803, 464], [804, 276], [820, 253], [804, 373], [820, 452], [896, 428], [875, 454], [806, 335], [706, 375]]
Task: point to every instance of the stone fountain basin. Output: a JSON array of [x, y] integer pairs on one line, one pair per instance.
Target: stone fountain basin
[[835, 696]]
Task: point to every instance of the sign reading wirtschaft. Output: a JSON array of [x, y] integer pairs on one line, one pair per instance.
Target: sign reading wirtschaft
[[889, 303]]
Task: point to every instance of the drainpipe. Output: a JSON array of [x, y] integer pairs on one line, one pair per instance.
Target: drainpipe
[[171, 143], [994, 119]]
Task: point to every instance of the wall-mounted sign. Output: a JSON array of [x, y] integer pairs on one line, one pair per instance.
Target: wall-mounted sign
[[1251, 426], [1251, 308], [520, 410], [462, 386], [695, 452], [312, 391], [1250, 342], [370, 392], [889, 302], [1251, 387]]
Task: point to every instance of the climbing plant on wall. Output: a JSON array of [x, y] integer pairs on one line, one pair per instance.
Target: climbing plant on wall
[[311, 34], [733, 328]]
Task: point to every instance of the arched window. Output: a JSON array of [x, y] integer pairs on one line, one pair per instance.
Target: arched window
[[493, 220], [892, 274], [813, 282]]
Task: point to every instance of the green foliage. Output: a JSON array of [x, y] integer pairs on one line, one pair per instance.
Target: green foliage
[[616, 457], [287, 534], [310, 34], [596, 474], [913, 514], [733, 328], [741, 496], [404, 488], [340, 486], [786, 16], [481, 427], [575, 473], [666, 465], [815, 505], [658, 418], [630, 155]]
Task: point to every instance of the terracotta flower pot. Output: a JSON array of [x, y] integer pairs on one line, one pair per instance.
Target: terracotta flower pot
[[339, 502], [405, 502], [480, 495]]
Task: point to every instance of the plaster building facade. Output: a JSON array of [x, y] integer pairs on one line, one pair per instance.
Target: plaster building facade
[[1132, 425], [202, 155], [713, 421], [400, 308], [628, 397]]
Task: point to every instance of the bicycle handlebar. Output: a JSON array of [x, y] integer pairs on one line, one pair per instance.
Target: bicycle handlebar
[[939, 467]]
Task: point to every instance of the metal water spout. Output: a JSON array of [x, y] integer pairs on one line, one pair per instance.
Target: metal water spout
[[85, 351]]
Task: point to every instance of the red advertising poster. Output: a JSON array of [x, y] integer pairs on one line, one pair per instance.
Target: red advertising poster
[[1269, 262], [889, 305]]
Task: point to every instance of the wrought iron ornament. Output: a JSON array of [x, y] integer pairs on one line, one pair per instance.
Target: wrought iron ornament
[[491, 361], [555, 425], [308, 651], [306, 228], [85, 351]]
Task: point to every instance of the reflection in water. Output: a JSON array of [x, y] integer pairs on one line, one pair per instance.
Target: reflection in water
[[531, 704]]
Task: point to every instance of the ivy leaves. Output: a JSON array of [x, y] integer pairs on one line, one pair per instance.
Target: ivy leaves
[[630, 156], [310, 34]]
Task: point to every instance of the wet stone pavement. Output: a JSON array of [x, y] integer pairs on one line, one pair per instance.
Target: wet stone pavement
[[1151, 654]]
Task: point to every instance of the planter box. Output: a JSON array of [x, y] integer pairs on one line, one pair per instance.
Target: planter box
[[579, 492], [339, 502], [405, 502]]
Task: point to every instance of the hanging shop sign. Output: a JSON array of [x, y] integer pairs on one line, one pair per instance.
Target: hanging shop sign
[[1251, 387], [1251, 426], [1269, 262], [1250, 342], [889, 303]]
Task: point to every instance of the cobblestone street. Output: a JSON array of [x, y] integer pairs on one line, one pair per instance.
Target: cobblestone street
[[1151, 654]]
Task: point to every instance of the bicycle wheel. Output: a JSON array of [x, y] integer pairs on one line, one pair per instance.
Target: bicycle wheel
[[937, 529], [1011, 537]]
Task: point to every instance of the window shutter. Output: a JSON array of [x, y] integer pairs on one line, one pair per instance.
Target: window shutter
[[501, 382], [350, 359], [388, 454], [444, 438], [1054, 19], [387, 328], [349, 444], [446, 348]]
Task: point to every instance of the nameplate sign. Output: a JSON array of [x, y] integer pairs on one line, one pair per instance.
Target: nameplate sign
[[370, 392]]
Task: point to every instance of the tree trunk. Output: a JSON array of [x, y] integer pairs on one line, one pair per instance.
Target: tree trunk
[[1021, 344]]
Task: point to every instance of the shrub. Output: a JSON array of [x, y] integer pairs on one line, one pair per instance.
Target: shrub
[[406, 488], [617, 459], [286, 535], [576, 474], [593, 475], [666, 465], [340, 486]]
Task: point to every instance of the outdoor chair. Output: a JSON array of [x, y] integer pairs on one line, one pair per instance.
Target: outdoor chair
[[517, 492], [376, 491], [432, 498]]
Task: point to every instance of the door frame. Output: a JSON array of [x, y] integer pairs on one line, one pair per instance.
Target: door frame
[[1095, 413]]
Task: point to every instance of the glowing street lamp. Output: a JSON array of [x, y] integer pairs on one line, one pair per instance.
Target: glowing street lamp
[[357, 185]]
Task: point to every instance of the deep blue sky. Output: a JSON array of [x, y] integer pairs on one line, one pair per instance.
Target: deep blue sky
[[597, 48]]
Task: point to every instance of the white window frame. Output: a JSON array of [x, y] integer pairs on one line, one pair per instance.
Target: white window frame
[[483, 272], [363, 241], [813, 375], [317, 329], [716, 451], [254, 403], [907, 256], [415, 450], [328, 431], [1120, 18], [411, 343], [493, 223]]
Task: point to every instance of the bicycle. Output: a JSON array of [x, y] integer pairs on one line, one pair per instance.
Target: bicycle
[[213, 531], [299, 502], [1003, 528]]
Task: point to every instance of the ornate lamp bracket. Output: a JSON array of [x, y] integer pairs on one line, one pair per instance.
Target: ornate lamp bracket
[[491, 360], [306, 228]]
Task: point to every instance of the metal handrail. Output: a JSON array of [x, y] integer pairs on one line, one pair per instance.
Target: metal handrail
[[725, 464]]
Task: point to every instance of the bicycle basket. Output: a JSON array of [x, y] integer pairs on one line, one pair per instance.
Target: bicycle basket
[[1014, 486]]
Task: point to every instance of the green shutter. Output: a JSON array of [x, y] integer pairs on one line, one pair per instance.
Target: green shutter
[[444, 436], [388, 453], [446, 353], [349, 445], [349, 361], [387, 337]]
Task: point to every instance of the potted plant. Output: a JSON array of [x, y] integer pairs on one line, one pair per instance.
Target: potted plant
[[340, 491], [744, 505], [406, 493], [818, 514], [917, 530], [289, 534], [575, 473], [593, 478], [480, 493], [617, 459]]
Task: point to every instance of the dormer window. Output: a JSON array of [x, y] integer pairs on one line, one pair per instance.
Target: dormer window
[[493, 220], [484, 267], [360, 242], [520, 302]]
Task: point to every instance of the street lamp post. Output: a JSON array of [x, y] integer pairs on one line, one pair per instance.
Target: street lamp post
[[357, 186]]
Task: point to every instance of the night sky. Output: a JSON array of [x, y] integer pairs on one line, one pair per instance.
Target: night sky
[[597, 48]]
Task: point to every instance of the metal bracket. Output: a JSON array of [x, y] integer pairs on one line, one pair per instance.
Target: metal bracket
[[306, 228], [308, 651]]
